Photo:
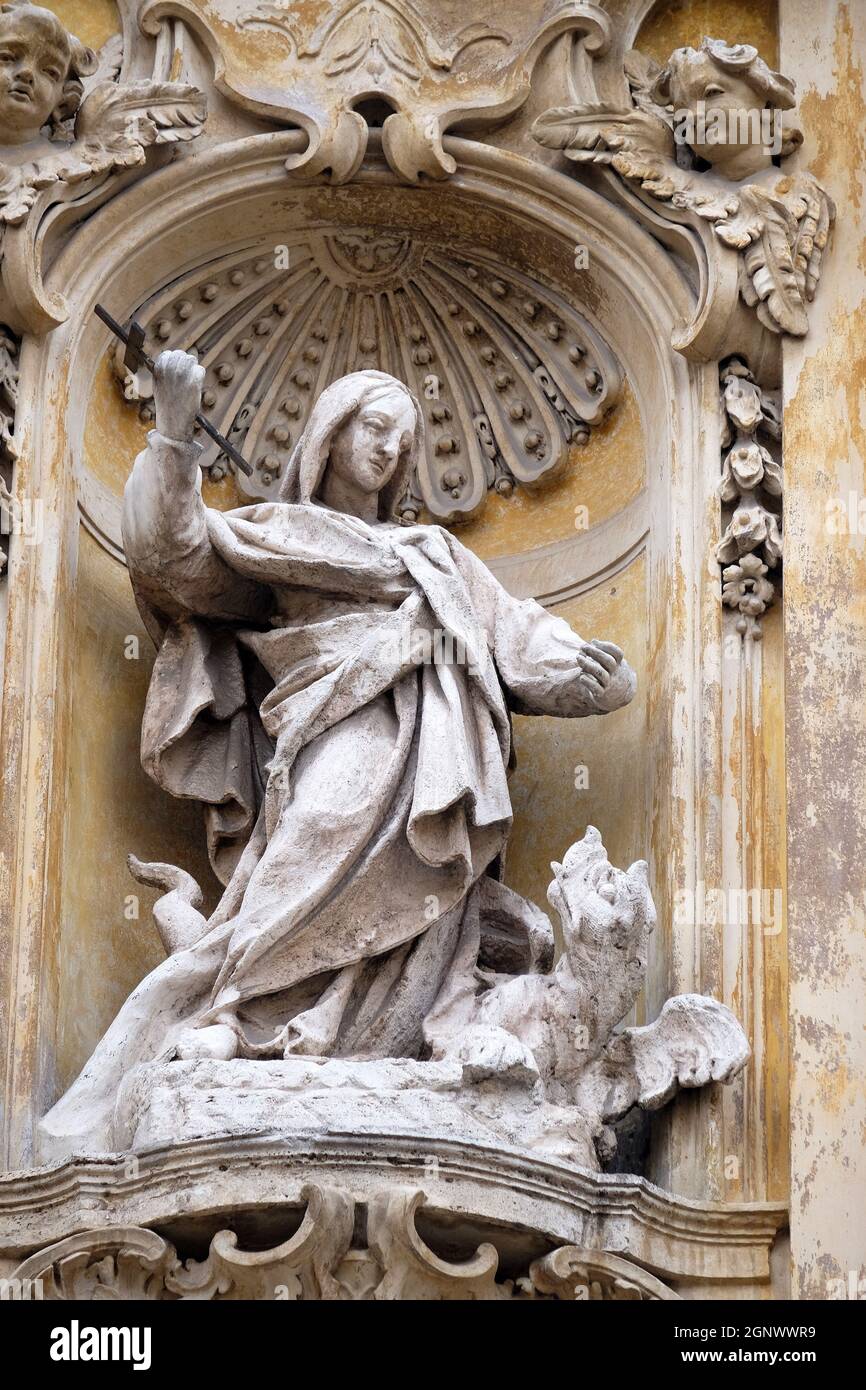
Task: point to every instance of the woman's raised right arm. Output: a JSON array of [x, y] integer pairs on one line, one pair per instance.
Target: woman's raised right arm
[[165, 532]]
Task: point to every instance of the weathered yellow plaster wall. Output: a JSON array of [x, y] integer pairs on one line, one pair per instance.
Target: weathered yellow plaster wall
[[551, 806], [774, 1121], [824, 48], [683, 23], [111, 808], [92, 21]]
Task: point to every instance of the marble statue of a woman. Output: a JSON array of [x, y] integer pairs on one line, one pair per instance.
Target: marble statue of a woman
[[336, 690]]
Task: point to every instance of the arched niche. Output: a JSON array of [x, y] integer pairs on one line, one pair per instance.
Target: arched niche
[[639, 573]]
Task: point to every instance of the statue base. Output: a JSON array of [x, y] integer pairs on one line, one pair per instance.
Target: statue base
[[354, 1195], [308, 1097]]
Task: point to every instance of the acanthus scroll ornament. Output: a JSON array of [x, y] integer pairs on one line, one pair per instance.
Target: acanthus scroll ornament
[[329, 67]]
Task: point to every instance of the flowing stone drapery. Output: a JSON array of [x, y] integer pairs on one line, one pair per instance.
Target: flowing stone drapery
[[337, 694]]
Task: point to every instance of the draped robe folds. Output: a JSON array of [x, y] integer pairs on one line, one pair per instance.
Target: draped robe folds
[[337, 695]]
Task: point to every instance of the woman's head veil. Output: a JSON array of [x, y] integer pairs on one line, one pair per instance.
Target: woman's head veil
[[335, 406]]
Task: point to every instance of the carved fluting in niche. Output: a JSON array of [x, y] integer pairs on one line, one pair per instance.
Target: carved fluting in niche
[[323, 1260], [508, 373], [322, 66], [77, 127], [752, 486], [676, 144]]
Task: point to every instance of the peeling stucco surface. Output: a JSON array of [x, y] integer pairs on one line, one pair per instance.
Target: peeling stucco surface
[[825, 624]]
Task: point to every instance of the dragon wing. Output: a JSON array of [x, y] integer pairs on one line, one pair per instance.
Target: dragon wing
[[693, 1041]]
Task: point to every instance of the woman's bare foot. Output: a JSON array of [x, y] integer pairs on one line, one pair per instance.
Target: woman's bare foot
[[218, 1042]]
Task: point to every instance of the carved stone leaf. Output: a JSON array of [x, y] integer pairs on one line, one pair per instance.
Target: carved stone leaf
[[123, 120], [770, 282], [21, 184], [595, 132], [110, 61], [815, 212]]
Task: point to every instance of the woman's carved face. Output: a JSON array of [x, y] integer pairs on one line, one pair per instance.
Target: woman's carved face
[[367, 450], [34, 66]]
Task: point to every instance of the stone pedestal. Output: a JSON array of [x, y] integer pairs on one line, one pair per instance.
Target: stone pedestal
[[374, 1214], [304, 1098]]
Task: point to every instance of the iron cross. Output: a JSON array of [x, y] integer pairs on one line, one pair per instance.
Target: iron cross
[[135, 357]]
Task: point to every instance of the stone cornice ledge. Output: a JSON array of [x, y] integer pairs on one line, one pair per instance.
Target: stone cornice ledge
[[674, 1237]]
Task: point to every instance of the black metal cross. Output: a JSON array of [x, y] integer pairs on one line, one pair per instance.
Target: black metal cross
[[135, 357]]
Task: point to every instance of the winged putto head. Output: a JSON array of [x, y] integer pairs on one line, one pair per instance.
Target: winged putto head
[[41, 70], [688, 68], [726, 82]]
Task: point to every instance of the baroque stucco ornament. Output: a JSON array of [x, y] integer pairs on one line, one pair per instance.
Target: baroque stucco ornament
[[336, 690], [751, 486], [508, 373], [66, 121], [336, 57], [773, 227], [324, 1261]]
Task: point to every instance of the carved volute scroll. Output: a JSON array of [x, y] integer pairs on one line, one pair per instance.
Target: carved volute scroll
[[332, 59], [323, 1262], [508, 372]]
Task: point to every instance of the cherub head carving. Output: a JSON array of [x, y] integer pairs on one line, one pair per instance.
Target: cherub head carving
[[41, 71], [726, 83]]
